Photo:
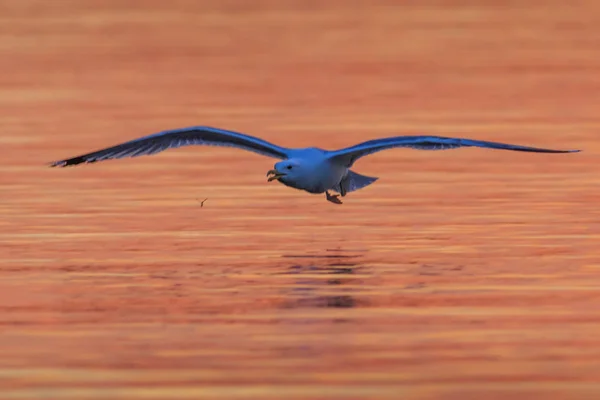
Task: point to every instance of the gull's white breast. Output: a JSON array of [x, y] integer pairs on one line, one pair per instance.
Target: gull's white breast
[[318, 172]]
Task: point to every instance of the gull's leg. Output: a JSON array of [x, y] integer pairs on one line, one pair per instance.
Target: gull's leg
[[333, 198]]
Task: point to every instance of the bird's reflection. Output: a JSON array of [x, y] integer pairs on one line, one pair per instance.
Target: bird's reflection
[[332, 272]]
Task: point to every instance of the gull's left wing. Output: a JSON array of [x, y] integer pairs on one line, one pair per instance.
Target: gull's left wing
[[349, 155], [197, 135]]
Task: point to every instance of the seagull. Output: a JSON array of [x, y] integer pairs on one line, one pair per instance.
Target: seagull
[[311, 169]]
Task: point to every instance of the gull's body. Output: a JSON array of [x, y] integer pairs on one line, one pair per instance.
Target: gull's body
[[310, 169]]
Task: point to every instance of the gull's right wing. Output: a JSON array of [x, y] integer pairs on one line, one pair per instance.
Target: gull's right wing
[[198, 135]]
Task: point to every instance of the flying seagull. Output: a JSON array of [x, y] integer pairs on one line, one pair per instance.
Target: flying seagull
[[311, 169]]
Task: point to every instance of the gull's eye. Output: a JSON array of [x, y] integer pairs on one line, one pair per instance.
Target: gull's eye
[[289, 167]]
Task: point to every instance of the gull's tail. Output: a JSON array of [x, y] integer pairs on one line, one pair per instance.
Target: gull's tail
[[352, 182]]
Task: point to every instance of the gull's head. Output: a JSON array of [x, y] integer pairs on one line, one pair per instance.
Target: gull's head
[[287, 171]]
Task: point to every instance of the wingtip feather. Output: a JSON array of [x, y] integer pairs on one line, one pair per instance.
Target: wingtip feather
[[72, 161]]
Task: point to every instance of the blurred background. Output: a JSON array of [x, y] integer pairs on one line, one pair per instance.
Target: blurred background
[[458, 274]]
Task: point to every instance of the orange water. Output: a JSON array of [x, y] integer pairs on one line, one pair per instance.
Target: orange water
[[461, 274]]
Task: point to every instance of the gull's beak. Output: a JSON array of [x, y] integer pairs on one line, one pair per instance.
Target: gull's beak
[[274, 174]]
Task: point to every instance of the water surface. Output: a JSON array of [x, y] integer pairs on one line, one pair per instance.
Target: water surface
[[459, 274]]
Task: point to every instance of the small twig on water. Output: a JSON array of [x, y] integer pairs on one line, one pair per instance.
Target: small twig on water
[[202, 202]]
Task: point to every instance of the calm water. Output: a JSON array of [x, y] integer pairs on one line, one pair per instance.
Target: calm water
[[459, 274]]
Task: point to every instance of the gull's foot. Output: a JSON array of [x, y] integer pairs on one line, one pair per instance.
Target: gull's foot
[[333, 198]]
